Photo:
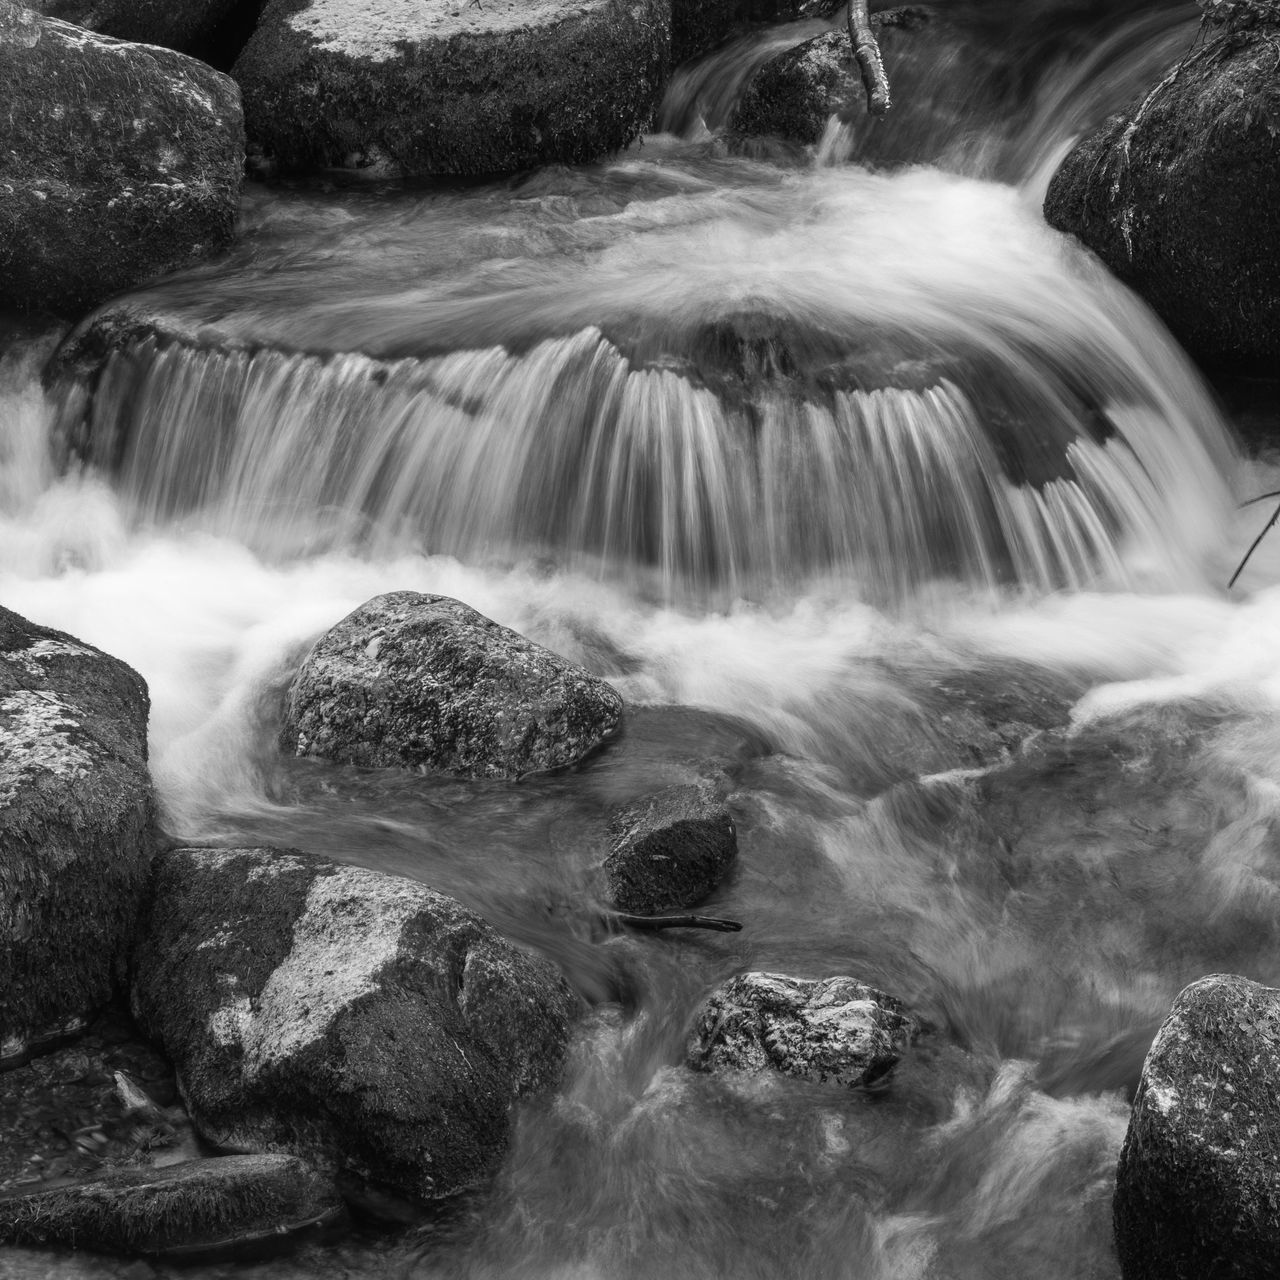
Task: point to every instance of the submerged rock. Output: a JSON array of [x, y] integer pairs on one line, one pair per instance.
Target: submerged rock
[[458, 88], [825, 1029], [76, 834], [118, 162], [1197, 1196], [361, 1021], [1180, 195], [183, 1209], [427, 682], [669, 850], [698, 26]]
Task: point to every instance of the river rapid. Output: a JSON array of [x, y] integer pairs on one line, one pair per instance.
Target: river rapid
[[867, 491]]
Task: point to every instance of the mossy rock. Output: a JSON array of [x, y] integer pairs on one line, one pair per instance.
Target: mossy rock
[[76, 829], [1180, 196], [451, 86], [119, 162]]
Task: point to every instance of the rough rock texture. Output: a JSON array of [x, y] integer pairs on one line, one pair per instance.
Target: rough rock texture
[[1197, 1193], [76, 813], [825, 1029], [181, 1208], [1180, 196], [117, 162], [449, 87], [698, 26], [359, 1020], [669, 850], [189, 26], [426, 681]]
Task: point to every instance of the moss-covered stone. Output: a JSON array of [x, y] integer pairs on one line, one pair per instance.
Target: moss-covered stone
[[117, 162], [1197, 1193], [361, 1021], [1180, 196], [76, 833], [450, 87], [420, 681]]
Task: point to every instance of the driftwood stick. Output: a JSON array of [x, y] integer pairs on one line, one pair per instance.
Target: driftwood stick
[[1253, 546], [867, 51], [676, 922]]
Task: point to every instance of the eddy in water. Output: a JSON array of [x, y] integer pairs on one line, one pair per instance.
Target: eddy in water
[[901, 530]]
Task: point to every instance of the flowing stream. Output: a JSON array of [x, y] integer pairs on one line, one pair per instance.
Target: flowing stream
[[870, 493]]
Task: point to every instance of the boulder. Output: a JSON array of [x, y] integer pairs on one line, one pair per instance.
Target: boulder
[[117, 162], [1180, 195], [698, 26], [76, 833], [836, 1030], [183, 1209], [361, 1021], [1197, 1195], [669, 850], [426, 682], [197, 27], [449, 86]]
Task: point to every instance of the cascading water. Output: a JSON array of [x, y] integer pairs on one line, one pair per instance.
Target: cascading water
[[860, 485]]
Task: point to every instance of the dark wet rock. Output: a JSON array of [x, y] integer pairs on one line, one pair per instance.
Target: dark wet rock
[[1180, 195], [119, 162], [698, 26], [76, 833], [825, 1029], [468, 88], [427, 682], [361, 1021], [669, 850], [189, 26], [1196, 1191], [183, 1208]]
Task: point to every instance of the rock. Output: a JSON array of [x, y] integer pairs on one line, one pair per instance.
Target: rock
[[698, 26], [825, 1029], [187, 1208], [361, 1021], [117, 162], [669, 850], [452, 87], [1180, 196], [197, 27], [76, 834], [427, 682], [1196, 1191]]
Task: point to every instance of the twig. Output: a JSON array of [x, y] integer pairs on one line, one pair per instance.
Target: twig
[[1262, 497], [867, 51], [1253, 546], [677, 922]]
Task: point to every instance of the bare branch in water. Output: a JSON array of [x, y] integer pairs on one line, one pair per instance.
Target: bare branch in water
[[866, 50], [1253, 546], [676, 922]]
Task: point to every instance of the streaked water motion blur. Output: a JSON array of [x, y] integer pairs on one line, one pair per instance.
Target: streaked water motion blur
[[871, 495]]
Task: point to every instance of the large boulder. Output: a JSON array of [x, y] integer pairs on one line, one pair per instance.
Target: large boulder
[[76, 834], [1197, 1190], [117, 162], [361, 1021], [1180, 195], [178, 1211], [448, 86], [836, 1030], [427, 682]]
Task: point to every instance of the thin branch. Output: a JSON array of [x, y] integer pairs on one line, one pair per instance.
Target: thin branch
[[676, 922], [1253, 546], [1262, 497], [867, 51]]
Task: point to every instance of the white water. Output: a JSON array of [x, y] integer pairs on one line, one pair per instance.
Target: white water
[[471, 384]]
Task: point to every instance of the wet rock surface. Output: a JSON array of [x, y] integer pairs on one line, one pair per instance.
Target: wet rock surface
[[76, 829], [831, 1030], [1180, 195], [669, 850], [440, 87], [181, 1210], [361, 1021], [698, 26], [192, 26], [1196, 1191], [427, 682], [121, 162]]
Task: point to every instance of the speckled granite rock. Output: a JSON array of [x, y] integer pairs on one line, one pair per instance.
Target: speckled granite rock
[[1198, 1185], [361, 1021], [117, 162], [76, 812], [1180, 195], [425, 681], [434, 86], [824, 1029], [183, 1208], [669, 850]]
